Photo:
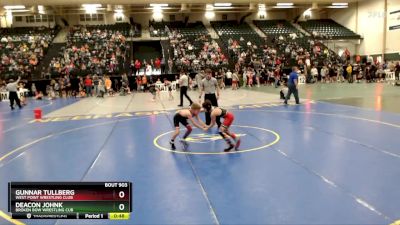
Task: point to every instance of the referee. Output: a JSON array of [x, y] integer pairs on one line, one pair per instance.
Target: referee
[[293, 85], [12, 93], [183, 85], [209, 86]]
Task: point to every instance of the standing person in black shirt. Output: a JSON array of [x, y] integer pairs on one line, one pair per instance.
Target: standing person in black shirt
[[397, 70], [209, 86]]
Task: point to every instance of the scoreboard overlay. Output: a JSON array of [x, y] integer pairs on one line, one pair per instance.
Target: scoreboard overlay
[[70, 200]]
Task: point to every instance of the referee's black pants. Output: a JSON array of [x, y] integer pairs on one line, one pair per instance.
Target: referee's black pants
[[292, 90], [14, 96], [183, 92], [214, 102]]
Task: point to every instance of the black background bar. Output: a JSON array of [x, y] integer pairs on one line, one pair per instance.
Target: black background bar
[[89, 216]]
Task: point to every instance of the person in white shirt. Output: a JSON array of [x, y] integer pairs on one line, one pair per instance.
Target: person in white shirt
[[235, 81], [148, 69], [339, 73], [229, 77], [199, 78], [324, 72], [314, 72], [183, 85], [12, 88], [244, 78], [308, 62]]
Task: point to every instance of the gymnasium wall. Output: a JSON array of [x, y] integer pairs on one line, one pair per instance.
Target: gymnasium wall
[[371, 18], [36, 24], [393, 36], [346, 17], [144, 18], [367, 18]]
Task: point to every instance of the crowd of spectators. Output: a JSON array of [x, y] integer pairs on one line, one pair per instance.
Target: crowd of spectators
[[91, 85], [22, 49], [93, 54], [281, 51], [268, 60], [196, 52], [97, 51], [190, 47]]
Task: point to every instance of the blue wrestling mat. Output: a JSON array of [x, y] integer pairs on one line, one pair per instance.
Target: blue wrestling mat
[[315, 163]]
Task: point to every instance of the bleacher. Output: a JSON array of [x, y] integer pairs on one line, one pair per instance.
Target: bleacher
[[242, 33], [275, 27], [161, 29], [24, 31], [194, 34], [22, 48], [328, 29], [125, 29], [232, 28]]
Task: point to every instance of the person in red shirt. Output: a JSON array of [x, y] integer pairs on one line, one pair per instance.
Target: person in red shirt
[[88, 86], [278, 62], [157, 63], [138, 64], [358, 59]]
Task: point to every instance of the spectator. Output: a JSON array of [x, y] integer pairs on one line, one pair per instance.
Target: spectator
[[96, 85], [170, 65], [108, 86], [228, 77], [235, 81], [101, 89], [324, 73], [397, 70], [33, 89], [88, 86], [380, 73], [198, 79], [157, 64], [314, 72], [244, 78], [349, 71]]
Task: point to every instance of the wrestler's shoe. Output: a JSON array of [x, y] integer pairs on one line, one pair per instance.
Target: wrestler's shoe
[[172, 145], [229, 148], [237, 144]]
